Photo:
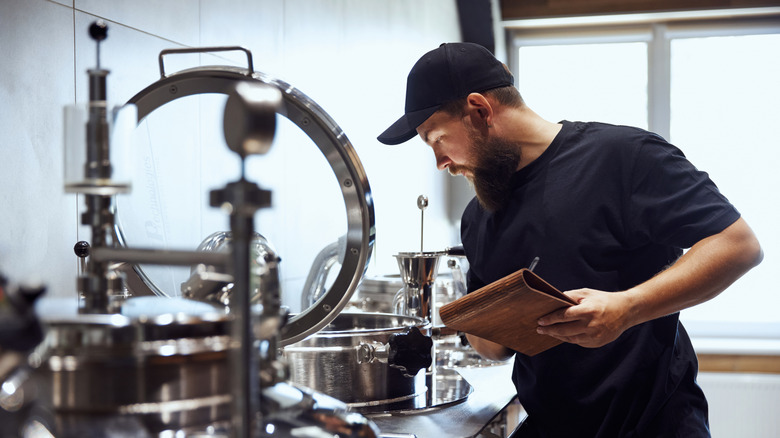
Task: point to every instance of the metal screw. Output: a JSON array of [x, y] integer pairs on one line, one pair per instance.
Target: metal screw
[[173, 89], [326, 307], [348, 182]]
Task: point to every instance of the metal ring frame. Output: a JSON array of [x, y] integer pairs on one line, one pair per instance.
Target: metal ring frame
[[333, 144]]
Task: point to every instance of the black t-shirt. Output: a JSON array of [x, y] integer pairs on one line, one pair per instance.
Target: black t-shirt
[[604, 207]]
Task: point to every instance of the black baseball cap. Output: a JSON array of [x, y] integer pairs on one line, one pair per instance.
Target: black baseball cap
[[449, 72]]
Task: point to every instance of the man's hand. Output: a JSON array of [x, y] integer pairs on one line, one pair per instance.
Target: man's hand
[[598, 319]]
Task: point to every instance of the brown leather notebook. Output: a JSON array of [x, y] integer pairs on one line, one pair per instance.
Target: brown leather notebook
[[506, 312]]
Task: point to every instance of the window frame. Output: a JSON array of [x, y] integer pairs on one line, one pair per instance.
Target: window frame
[[656, 29]]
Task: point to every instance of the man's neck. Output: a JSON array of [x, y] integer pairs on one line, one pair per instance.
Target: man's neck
[[533, 134]]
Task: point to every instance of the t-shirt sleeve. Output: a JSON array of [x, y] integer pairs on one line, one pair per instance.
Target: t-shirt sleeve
[[670, 201]]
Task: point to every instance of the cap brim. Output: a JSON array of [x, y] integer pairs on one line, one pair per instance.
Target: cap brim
[[405, 128]]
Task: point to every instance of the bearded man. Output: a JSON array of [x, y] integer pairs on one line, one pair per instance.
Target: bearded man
[[608, 210]]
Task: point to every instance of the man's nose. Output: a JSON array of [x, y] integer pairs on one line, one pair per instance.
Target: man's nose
[[442, 161]]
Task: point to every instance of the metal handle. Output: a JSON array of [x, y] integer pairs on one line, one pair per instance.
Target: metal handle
[[250, 66], [455, 251], [370, 352]]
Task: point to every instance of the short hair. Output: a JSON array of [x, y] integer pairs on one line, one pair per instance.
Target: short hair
[[509, 96]]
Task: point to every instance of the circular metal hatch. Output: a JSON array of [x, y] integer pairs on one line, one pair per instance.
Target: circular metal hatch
[[335, 147]]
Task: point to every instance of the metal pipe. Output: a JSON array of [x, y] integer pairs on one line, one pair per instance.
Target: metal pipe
[[160, 257]]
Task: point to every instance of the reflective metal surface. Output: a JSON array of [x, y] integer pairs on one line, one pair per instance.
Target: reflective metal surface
[[443, 387], [347, 360], [453, 353], [375, 294], [314, 287], [213, 286], [299, 412], [335, 147], [492, 390], [418, 273], [160, 373]]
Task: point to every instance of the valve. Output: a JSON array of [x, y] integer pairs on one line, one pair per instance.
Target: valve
[[410, 352]]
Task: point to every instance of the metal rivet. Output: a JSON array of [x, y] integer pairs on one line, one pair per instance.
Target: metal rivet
[[173, 89], [305, 121], [326, 307], [353, 251], [348, 182]]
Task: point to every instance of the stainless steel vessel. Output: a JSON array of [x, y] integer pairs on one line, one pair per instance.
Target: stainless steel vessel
[[418, 272], [168, 372], [364, 359], [375, 294]]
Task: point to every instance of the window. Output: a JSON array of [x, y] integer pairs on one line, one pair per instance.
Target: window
[[604, 89], [710, 86]]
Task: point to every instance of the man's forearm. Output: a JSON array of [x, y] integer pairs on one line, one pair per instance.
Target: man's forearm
[[708, 268], [489, 349], [702, 273]]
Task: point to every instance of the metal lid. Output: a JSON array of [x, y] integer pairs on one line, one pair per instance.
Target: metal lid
[[335, 147], [95, 336]]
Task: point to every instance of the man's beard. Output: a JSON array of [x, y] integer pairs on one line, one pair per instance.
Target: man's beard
[[495, 161]]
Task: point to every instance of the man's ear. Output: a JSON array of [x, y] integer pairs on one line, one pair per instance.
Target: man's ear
[[480, 109]]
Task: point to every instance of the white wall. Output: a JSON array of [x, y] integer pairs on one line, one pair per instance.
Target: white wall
[[351, 57]]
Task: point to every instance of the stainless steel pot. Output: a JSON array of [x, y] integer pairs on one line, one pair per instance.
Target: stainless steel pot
[[375, 294], [165, 373], [364, 359]]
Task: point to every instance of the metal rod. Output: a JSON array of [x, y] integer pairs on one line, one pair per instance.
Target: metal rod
[[160, 257], [422, 204], [422, 228], [244, 364]]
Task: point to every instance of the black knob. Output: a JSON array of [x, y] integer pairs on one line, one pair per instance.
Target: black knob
[[98, 30], [19, 326], [81, 249], [410, 352], [30, 293]]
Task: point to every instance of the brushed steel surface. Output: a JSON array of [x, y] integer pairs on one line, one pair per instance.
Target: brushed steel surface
[[328, 361], [169, 371]]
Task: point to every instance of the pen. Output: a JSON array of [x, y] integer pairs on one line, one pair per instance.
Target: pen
[[533, 264]]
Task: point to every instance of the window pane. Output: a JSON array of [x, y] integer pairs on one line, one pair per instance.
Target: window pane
[[724, 94], [586, 82]]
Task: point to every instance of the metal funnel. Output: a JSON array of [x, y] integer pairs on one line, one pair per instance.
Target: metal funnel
[[418, 268], [418, 273]]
